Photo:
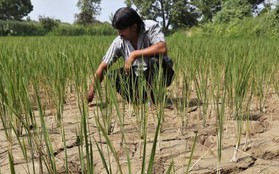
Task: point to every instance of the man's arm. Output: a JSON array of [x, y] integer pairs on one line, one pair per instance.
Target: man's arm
[[157, 49], [98, 76]]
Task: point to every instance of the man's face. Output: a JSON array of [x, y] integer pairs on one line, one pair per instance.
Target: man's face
[[128, 33]]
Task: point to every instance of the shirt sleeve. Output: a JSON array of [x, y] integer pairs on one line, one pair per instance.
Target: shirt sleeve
[[155, 34], [113, 53]]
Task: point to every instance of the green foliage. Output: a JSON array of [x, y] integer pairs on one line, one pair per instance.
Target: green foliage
[[265, 25], [233, 10], [207, 9], [175, 13], [183, 16], [78, 30], [17, 28], [51, 27], [14, 9], [48, 23], [185, 13], [68, 30], [268, 23], [89, 10]]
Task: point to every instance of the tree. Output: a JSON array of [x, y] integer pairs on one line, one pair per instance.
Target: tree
[[233, 10], [183, 14], [14, 9], [169, 12], [48, 23], [206, 9], [89, 10]]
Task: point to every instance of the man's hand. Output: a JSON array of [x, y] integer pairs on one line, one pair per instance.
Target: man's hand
[[90, 95], [99, 77], [129, 62]]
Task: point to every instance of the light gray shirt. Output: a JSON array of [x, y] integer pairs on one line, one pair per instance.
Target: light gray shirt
[[149, 35]]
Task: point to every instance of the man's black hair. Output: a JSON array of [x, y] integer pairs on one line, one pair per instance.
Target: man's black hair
[[126, 17]]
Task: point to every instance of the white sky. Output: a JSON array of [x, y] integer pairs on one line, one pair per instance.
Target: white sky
[[66, 9]]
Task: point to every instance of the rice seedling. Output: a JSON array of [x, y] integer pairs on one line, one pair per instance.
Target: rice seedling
[[201, 86], [171, 169], [192, 152], [242, 81], [183, 112], [49, 160], [276, 86]]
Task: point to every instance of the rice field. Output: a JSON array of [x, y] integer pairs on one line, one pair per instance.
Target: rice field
[[48, 127]]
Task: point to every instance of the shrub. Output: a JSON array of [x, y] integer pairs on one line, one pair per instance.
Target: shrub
[[68, 30], [48, 23], [77, 30], [265, 25], [19, 28], [52, 27]]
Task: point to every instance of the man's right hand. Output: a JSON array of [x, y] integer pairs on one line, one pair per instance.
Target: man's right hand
[[90, 96], [97, 76]]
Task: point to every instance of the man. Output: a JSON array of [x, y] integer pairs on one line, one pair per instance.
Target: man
[[142, 45]]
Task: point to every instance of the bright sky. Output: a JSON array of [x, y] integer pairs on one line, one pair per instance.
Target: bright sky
[[66, 9]]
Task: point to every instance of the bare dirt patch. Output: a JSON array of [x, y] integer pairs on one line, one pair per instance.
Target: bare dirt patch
[[174, 143]]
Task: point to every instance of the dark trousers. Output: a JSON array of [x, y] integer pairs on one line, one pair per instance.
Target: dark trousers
[[136, 88]]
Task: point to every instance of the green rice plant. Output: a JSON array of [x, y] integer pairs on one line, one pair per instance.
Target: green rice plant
[[8, 133], [181, 85], [274, 71], [102, 157], [11, 160], [260, 80], [65, 147], [110, 145], [57, 78], [26, 126], [108, 108], [121, 120], [276, 86], [142, 108], [19, 119], [49, 161], [158, 91], [160, 102], [192, 152], [275, 77], [87, 165], [265, 67], [184, 102], [171, 168], [219, 104], [84, 133], [105, 107], [201, 86], [247, 118], [153, 150], [241, 87]]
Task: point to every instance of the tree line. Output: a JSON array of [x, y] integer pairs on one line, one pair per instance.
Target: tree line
[[172, 14]]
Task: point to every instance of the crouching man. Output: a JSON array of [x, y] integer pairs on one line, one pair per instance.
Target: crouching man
[[143, 47]]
